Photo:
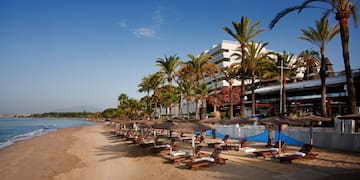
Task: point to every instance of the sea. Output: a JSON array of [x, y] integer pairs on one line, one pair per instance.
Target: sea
[[16, 129]]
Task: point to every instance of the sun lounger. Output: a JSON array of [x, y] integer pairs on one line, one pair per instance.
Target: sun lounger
[[222, 142], [146, 142], [206, 161], [303, 153], [245, 148], [271, 151], [161, 147], [183, 156]]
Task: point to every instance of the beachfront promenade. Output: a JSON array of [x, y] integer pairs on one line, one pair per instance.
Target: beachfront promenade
[[93, 152]]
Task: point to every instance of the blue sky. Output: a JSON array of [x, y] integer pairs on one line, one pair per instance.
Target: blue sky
[[58, 54]]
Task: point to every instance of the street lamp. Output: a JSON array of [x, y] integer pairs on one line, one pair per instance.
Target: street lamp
[[282, 84]]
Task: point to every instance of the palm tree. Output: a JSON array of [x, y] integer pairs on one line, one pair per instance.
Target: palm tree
[[320, 36], [230, 74], [156, 80], [198, 68], [311, 61], [243, 33], [257, 60], [343, 9], [188, 91], [186, 86], [122, 98], [168, 68], [145, 86], [203, 92], [168, 97]]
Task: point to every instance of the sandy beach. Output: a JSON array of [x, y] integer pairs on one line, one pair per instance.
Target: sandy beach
[[93, 153]]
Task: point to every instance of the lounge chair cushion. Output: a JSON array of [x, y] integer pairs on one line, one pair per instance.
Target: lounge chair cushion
[[300, 154], [274, 149], [163, 146], [247, 149], [177, 153], [210, 159], [148, 142], [181, 153]]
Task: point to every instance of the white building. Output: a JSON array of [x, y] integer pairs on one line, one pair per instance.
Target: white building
[[222, 54]]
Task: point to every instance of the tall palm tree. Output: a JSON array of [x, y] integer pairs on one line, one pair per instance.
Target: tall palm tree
[[168, 66], [198, 68], [320, 36], [243, 33], [122, 98], [257, 59], [188, 91], [145, 86], [168, 98], [203, 92], [311, 61], [186, 85], [343, 9], [156, 80], [230, 75]]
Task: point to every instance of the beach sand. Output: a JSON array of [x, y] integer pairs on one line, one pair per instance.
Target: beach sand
[[93, 153]]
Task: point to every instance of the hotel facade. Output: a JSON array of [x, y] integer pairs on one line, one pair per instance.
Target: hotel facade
[[302, 95]]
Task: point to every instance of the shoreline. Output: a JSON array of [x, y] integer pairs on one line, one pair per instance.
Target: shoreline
[[92, 152], [40, 157], [42, 125]]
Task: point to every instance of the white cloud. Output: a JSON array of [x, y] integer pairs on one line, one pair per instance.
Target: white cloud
[[144, 32], [148, 31], [123, 25]]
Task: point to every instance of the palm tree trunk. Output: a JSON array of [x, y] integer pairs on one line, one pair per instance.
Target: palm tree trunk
[[180, 108], [170, 111], [197, 113], [188, 108], [231, 101], [242, 93], [343, 19], [253, 100], [242, 97], [323, 85], [203, 108]]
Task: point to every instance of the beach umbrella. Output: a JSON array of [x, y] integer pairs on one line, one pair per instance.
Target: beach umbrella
[[310, 119], [272, 121], [145, 123], [211, 120], [168, 125], [313, 118], [191, 126], [237, 120]]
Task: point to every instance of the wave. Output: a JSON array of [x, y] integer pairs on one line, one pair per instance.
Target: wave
[[28, 135]]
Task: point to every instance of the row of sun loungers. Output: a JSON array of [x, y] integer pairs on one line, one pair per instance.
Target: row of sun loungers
[[195, 160]]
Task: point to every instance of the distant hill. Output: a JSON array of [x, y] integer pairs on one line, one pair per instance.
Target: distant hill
[[78, 109]]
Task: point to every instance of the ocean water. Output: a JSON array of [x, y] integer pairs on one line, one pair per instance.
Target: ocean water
[[16, 129]]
